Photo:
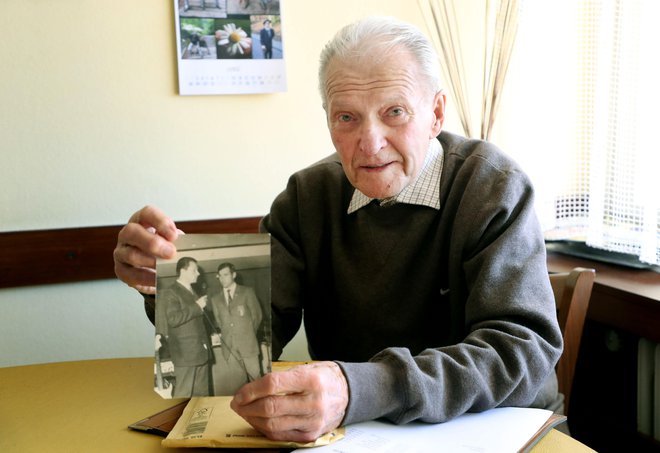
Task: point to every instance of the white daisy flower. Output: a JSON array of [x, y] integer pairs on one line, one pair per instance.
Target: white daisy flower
[[234, 38]]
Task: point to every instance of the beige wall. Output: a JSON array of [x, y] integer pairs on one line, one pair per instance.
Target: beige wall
[[92, 128]]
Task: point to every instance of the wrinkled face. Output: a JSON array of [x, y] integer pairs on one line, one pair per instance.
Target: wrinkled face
[[226, 277], [381, 119]]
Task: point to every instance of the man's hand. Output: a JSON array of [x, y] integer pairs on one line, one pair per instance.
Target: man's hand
[[167, 366], [299, 405], [148, 235], [157, 341], [201, 302]]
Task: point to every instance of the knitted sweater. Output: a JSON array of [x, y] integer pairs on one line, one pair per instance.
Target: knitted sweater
[[429, 313]]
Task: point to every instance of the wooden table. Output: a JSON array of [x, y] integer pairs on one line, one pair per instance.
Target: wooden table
[[87, 406]]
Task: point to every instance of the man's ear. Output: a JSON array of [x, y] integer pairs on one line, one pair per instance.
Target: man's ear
[[439, 102]]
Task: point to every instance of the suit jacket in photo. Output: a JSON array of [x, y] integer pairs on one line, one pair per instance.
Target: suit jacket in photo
[[266, 37], [187, 338], [239, 320]]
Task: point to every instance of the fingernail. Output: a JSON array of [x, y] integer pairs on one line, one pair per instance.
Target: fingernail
[[167, 249], [238, 399]]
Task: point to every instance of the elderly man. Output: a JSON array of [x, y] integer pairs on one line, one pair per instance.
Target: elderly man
[[415, 256]]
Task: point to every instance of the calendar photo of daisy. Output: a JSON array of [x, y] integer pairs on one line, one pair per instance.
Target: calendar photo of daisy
[[232, 38]]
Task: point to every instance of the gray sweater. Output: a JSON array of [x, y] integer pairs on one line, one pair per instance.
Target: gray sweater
[[429, 313]]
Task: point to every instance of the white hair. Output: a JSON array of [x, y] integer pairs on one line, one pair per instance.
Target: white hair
[[376, 36]]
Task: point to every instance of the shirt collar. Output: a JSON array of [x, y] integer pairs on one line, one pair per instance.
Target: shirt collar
[[231, 288], [425, 191]]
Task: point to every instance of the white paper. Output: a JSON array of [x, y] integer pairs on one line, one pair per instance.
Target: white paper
[[504, 430]]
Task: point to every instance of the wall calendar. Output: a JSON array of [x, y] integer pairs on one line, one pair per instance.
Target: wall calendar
[[229, 46]]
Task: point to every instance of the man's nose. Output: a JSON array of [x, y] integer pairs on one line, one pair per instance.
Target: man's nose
[[372, 137]]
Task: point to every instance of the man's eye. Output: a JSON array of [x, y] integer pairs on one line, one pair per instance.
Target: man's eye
[[396, 111], [344, 118]]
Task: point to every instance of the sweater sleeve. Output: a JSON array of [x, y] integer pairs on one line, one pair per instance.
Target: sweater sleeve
[[499, 286]]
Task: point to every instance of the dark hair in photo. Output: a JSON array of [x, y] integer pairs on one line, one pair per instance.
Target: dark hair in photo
[[183, 263]]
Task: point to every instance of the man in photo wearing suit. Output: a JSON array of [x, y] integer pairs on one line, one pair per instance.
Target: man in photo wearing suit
[[238, 314], [186, 332], [266, 36]]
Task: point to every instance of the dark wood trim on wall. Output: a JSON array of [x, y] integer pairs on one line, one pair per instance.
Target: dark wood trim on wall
[[41, 257]]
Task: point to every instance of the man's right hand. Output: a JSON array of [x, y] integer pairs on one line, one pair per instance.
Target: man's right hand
[[201, 302], [148, 235]]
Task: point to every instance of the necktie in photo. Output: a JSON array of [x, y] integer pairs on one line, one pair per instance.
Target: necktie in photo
[[229, 298]]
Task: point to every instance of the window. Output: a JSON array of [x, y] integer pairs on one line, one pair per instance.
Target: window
[[581, 116]]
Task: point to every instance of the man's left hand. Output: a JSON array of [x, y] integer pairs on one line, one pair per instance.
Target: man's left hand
[[300, 404]]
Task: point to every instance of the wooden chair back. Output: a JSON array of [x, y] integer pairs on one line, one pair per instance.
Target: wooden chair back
[[572, 293]]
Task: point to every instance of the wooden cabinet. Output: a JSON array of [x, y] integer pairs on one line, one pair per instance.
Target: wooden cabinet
[[624, 307]]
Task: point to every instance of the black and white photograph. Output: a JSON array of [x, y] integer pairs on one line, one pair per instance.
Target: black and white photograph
[[213, 331]]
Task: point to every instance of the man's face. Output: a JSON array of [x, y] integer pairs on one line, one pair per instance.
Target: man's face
[[190, 273], [381, 119], [226, 277]]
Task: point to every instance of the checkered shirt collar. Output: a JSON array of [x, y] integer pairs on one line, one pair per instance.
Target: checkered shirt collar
[[425, 191]]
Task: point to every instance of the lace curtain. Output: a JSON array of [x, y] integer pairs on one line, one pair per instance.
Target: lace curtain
[[579, 109], [614, 201]]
